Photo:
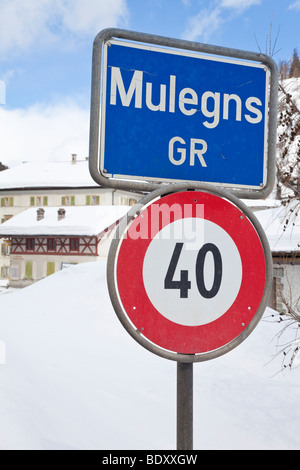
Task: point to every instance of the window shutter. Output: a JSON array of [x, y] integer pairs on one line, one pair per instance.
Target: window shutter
[[28, 270], [88, 200], [50, 268], [32, 201], [97, 200], [11, 201], [45, 200], [63, 200], [72, 200]]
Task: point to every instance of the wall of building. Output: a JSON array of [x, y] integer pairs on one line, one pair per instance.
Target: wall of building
[[286, 282], [15, 201], [12, 202], [25, 268]]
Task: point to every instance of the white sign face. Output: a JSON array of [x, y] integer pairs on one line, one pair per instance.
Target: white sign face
[[213, 267]]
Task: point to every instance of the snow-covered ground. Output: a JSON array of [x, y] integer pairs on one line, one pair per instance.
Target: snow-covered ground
[[72, 378]]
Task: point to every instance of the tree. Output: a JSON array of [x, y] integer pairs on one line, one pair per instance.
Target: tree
[[288, 191], [283, 69], [288, 161], [295, 65]]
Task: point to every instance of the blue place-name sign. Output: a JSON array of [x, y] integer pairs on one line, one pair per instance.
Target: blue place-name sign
[[169, 115]]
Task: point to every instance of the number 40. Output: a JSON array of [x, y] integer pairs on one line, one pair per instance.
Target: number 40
[[183, 284]]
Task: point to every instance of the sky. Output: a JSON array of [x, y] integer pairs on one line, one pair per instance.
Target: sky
[[46, 55]]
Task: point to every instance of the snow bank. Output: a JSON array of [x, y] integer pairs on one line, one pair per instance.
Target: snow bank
[[74, 379]]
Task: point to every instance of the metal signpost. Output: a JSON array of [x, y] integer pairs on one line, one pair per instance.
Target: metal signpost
[[194, 126]]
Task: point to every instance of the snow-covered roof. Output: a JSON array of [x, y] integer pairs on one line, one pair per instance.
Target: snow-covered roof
[[78, 221], [46, 175], [261, 204], [282, 228]]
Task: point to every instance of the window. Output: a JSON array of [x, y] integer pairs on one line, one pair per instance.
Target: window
[[51, 244], [15, 272], [39, 201], [5, 248], [132, 201], [74, 244], [7, 201], [277, 291], [30, 242], [5, 271], [5, 218], [92, 200], [128, 201], [67, 265], [68, 200], [278, 272]]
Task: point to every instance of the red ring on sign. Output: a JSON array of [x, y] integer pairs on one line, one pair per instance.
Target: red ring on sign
[[136, 303]]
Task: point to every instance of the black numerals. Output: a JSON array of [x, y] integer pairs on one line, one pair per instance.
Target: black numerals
[[184, 284], [209, 294]]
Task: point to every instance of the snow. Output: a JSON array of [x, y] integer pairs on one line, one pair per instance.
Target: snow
[[79, 220], [73, 378], [47, 175], [282, 236]]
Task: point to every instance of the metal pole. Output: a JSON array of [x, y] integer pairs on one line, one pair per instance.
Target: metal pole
[[184, 406]]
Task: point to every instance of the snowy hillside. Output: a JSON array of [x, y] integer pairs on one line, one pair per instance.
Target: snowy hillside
[[74, 379]]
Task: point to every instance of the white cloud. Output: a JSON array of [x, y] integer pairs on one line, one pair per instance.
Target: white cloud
[[44, 21], [204, 24], [47, 132], [22, 22], [295, 5], [43, 133], [239, 4], [209, 20], [91, 16]]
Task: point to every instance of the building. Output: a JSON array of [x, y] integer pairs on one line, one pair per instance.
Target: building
[[51, 184], [282, 227], [45, 240]]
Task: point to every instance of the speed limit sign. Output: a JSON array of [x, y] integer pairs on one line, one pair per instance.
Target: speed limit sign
[[189, 272]]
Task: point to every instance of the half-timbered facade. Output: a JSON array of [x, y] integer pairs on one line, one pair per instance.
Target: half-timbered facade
[[58, 245], [45, 241]]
